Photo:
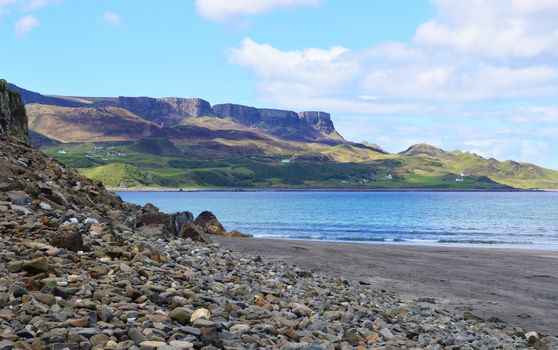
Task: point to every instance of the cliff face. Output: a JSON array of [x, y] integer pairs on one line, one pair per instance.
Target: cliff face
[[247, 116], [193, 107], [13, 119], [321, 121], [171, 111]]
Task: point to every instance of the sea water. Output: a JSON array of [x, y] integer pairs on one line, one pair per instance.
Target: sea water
[[489, 219]]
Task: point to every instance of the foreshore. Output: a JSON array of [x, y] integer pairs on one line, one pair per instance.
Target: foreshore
[[514, 285]]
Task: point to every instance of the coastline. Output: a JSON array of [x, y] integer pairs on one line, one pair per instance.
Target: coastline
[[322, 189], [514, 285]]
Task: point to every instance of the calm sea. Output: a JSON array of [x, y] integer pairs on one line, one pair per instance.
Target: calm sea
[[490, 219]]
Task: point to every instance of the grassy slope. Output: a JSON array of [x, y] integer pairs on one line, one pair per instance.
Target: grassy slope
[[212, 152], [164, 165]]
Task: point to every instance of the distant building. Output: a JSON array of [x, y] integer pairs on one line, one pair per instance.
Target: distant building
[[98, 148], [61, 151], [285, 161], [389, 177], [459, 179]]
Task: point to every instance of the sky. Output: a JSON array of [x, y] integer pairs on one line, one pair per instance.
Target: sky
[[476, 75]]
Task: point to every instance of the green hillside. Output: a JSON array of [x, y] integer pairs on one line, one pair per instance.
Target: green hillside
[[161, 163]]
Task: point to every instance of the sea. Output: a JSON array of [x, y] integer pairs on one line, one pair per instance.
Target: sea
[[481, 219]]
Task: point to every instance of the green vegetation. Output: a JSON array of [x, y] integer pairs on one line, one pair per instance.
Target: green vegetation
[[158, 162]]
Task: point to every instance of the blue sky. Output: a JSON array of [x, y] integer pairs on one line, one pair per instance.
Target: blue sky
[[480, 75]]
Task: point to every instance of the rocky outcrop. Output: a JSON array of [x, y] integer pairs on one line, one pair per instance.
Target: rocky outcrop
[[13, 118], [247, 116], [321, 121], [189, 107]]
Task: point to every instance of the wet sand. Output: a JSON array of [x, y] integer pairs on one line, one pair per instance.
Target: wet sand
[[517, 286]]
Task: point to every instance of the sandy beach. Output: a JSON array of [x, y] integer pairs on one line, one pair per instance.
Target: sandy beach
[[517, 286]]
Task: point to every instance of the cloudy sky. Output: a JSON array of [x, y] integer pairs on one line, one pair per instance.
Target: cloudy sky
[[477, 75]]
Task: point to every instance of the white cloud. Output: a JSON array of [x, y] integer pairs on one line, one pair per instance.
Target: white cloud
[[470, 52], [4, 6], [495, 28], [25, 25], [112, 18], [221, 10], [32, 5]]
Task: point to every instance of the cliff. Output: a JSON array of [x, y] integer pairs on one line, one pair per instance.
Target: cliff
[[13, 118], [309, 126]]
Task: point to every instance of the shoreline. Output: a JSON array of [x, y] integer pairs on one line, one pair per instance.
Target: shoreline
[[407, 244], [169, 189], [515, 285]]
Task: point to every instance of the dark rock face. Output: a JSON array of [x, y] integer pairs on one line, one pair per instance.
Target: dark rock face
[[13, 119], [281, 118], [146, 107], [189, 107], [72, 241], [321, 121], [248, 116]]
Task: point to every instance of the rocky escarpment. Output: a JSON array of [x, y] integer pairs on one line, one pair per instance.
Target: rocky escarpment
[[247, 116], [321, 121], [168, 112], [13, 118]]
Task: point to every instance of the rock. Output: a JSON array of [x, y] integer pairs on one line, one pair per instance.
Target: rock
[[45, 298], [178, 344], [6, 345], [99, 339], [45, 206], [181, 315], [200, 313], [72, 241], [386, 333], [210, 336], [235, 233], [136, 336], [192, 231], [240, 328], [105, 313], [36, 266], [150, 344], [209, 223], [352, 338], [301, 310], [19, 197]]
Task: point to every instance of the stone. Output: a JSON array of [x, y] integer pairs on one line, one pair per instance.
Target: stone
[[181, 315], [105, 313], [200, 313], [136, 336], [151, 344], [19, 197], [72, 241], [386, 333], [36, 265], [6, 345], [180, 344], [192, 231], [99, 339], [209, 223], [240, 328], [45, 298]]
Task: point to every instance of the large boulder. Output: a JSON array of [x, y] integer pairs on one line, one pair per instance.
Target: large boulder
[[194, 232], [209, 223]]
